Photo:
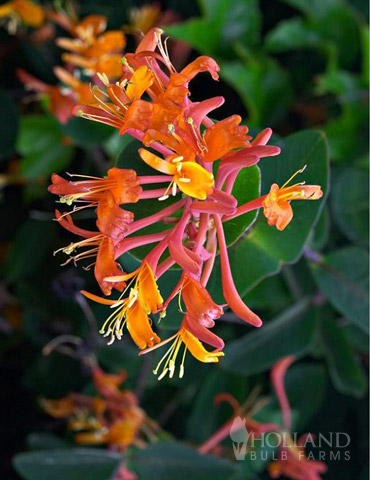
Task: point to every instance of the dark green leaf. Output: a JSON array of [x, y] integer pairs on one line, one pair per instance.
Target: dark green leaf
[[345, 372], [343, 276], [30, 247], [289, 334], [85, 133], [223, 22], [263, 86], [292, 34], [73, 464], [41, 143], [178, 461], [46, 441], [350, 204], [246, 187], [205, 413]]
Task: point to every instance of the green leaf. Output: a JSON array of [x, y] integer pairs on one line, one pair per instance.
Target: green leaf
[[343, 276], [346, 374], [246, 188], [313, 8], [85, 133], [304, 399], [292, 34], [9, 124], [358, 339], [291, 333], [222, 23], [178, 461], [350, 204], [46, 441], [321, 232], [263, 86], [264, 250], [40, 142], [72, 464], [31, 245]]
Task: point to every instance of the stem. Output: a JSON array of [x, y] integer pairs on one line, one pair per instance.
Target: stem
[[156, 193], [157, 146], [247, 207], [130, 243], [216, 438], [147, 179], [144, 222]]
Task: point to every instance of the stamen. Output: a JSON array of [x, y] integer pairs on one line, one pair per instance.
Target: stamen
[[103, 78], [301, 170]]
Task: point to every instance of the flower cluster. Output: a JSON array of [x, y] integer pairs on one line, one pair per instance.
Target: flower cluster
[[150, 102], [90, 49], [112, 417]]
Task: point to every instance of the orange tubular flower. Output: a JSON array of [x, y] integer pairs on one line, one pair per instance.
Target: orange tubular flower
[[30, 13], [61, 408], [276, 205], [107, 384], [126, 311], [143, 298], [81, 91], [191, 343], [92, 50], [99, 246], [191, 178], [121, 183], [199, 303], [127, 110]]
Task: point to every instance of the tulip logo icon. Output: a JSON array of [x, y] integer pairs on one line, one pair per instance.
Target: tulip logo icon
[[239, 436]]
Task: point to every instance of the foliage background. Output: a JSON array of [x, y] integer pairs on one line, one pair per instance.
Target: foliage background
[[290, 65]]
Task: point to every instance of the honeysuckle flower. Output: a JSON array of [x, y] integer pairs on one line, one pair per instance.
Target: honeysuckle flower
[[80, 90], [28, 12], [125, 109], [98, 246], [126, 312], [183, 337], [143, 298], [198, 302], [191, 178], [93, 50], [107, 384], [276, 204], [123, 184], [113, 417], [145, 288], [60, 408]]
